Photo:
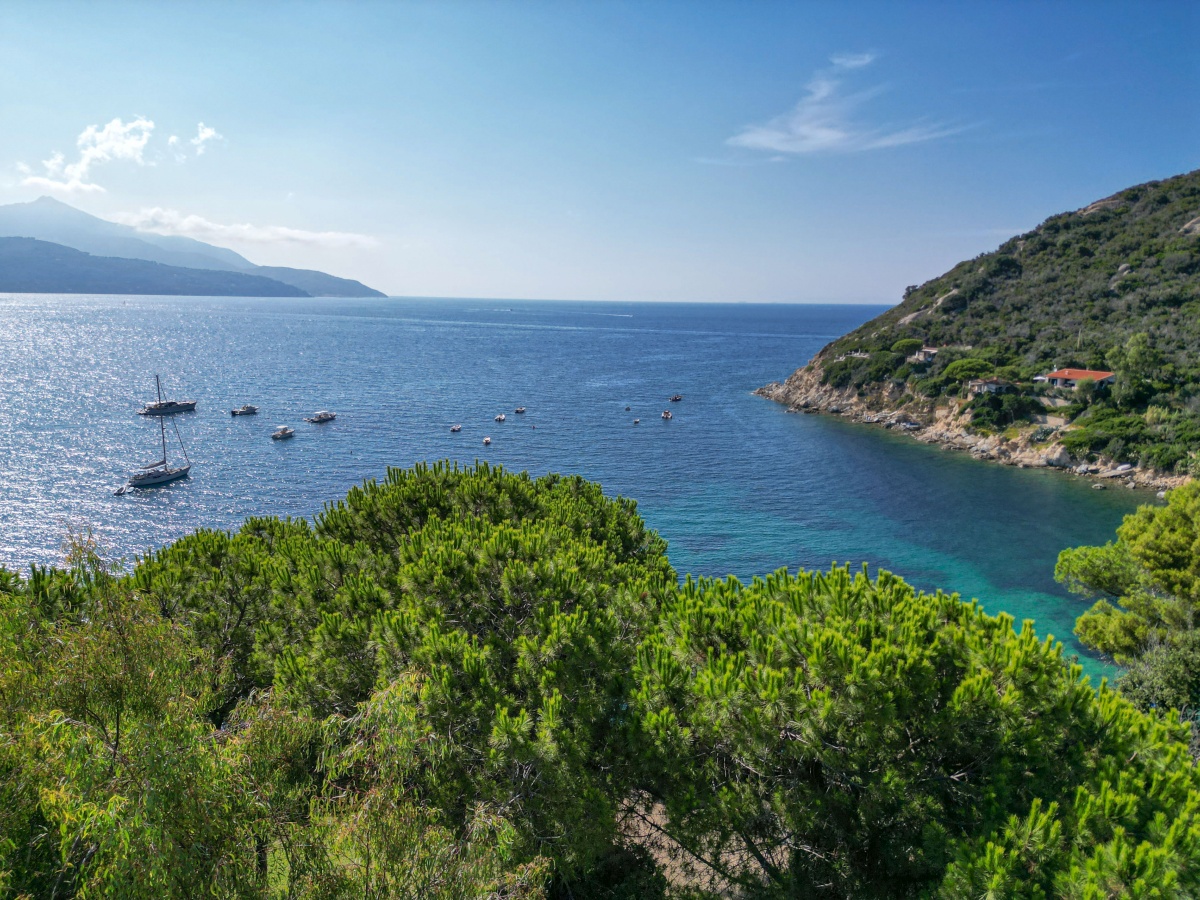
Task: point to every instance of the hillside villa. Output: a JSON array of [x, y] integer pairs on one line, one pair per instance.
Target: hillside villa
[[989, 386], [1070, 378]]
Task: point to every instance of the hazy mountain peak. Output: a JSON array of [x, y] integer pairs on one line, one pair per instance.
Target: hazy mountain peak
[[49, 219]]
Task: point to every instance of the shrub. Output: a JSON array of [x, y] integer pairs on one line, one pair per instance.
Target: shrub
[[966, 369]]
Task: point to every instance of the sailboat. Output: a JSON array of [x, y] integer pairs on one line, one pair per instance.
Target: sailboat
[[166, 407], [159, 472]]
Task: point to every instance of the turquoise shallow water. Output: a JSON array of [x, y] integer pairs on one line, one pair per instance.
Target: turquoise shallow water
[[736, 484]]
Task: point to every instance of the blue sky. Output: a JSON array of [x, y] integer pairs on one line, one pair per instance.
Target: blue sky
[[740, 151]]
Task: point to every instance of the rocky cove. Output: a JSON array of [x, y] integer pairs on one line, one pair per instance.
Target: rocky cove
[[945, 423]]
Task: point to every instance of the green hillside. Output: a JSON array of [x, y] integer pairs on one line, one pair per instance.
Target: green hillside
[[1114, 286]]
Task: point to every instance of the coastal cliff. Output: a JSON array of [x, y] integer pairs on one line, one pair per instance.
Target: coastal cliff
[[948, 424], [1074, 346]]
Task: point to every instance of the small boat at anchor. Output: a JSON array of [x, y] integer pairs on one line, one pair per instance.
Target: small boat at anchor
[[163, 407], [455, 429], [282, 433], [159, 472], [675, 398], [637, 421], [500, 418], [486, 441], [321, 417], [245, 410], [667, 414], [167, 408], [519, 410]]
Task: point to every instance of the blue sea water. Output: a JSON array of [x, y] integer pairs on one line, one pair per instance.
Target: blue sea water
[[735, 483]]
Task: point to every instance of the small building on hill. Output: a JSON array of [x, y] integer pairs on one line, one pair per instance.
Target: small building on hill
[[990, 386], [1069, 378], [924, 355]]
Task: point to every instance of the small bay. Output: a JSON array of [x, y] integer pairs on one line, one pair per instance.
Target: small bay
[[735, 483]]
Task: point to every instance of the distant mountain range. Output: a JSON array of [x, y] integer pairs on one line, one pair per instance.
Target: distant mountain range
[[29, 266], [102, 256]]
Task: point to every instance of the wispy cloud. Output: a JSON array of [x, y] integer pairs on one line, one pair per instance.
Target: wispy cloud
[[827, 119], [172, 222], [116, 140], [852, 60]]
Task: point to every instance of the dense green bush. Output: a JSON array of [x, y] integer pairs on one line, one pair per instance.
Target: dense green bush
[[468, 683], [1147, 614], [966, 369], [996, 412], [856, 371], [1152, 572], [837, 730], [1164, 443], [907, 346]]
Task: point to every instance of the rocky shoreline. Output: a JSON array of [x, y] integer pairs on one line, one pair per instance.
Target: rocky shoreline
[[944, 424]]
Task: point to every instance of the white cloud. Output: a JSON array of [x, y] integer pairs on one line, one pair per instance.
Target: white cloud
[[204, 134], [825, 121], [169, 221], [116, 140], [852, 60]]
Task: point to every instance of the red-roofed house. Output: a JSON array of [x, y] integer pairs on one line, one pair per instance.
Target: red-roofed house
[[1068, 378]]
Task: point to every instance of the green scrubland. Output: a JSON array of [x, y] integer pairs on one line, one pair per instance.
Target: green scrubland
[[1112, 287], [470, 683]]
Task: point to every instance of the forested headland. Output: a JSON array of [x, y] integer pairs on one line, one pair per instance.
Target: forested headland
[[471, 683], [1110, 288]]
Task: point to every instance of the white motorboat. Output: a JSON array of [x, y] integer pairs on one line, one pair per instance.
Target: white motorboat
[[246, 410], [486, 441], [282, 432], [500, 418], [519, 410], [667, 414], [455, 429], [163, 407], [160, 472], [321, 417], [637, 421]]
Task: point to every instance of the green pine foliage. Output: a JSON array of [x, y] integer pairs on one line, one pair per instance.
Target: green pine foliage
[[1151, 572], [1146, 587], [464, 683]]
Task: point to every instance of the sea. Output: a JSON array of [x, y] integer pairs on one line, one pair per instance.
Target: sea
[[735, 483]]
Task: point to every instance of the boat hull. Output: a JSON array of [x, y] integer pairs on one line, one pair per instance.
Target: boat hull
[[159, 476], [167, 409]]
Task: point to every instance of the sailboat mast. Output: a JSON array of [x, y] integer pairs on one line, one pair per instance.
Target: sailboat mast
[[161, 425]]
